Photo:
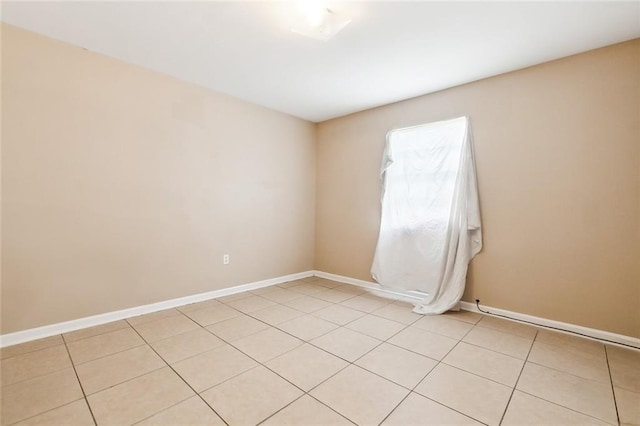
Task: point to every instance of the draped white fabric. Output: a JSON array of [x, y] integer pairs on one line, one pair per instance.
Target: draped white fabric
[[430, 226]]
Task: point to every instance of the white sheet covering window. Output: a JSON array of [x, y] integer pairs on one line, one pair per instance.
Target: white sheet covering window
[[430, 226]]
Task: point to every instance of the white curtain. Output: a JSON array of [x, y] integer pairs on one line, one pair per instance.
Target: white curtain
[[430, 226]]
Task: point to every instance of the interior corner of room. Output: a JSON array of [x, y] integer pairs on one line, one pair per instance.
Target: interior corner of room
[[124, 187]]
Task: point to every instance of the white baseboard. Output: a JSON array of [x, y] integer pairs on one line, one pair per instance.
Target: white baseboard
[[77, 324], [73, 325], [468, 306], [409, 297], [591, 333]]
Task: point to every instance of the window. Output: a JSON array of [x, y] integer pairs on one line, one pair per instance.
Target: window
[[419, 169], [430, 224]]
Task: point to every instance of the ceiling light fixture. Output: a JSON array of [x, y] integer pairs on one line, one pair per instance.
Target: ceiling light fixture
[[317, 21]]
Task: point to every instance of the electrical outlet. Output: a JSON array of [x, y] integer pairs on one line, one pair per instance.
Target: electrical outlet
[[225, 259]]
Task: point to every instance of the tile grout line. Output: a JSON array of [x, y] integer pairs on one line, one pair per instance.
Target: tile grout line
[[613, 390], [349, 363], [515, 385], [260, 364], [97, 334], [44, 412], [303, 313], [109, 354], [146, 343], [564, 407], [84, 394], [453, 366], [35, 377], [571, 374], [412, 390], [32, 350], [332, 409], [248, 314], [181, 378]]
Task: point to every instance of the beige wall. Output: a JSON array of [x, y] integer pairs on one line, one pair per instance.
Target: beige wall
[[558, 157], [122, 186]]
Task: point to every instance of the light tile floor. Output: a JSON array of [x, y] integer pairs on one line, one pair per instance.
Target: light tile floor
[[317, 352]]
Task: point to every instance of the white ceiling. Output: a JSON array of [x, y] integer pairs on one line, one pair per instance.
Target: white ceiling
[[390, 51]]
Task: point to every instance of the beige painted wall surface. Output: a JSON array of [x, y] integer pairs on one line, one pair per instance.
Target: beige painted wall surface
[[122, 187], [558, 158]]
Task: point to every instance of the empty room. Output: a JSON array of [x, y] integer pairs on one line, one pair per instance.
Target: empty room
[[320, 213]]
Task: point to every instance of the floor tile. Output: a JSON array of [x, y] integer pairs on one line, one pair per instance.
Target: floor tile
[[586, 396], [306, 366], [244, 400], [440, 324], [466, 316], [306, 411], [477, 397], [192, 307], [237, 328], [398, 311], [374, 326], [338, 314], [290, 284], [137, 399], [251, 303], [623, 357], [154, 316], [267, 344], [32, 346], [193, 411], [34, 364], [628, 404], [579, 363], [486, 363], [365, 303], [34, 396], [104, 344], [276, 314], [359, 395], [307, 304], [308, 288], [213, 367], [506, 326], [307, 327], [94, 331], [108, 371], [76, 413], [565, 381], [625, 368], [418, 410], [280, 295], [153, 331], [232, 297], [213, 314], [346, 344], [508, 344], [627, 378], [423, 342], [348, 288], [263, 290], [327, 283], [577, 343], [389, 297], [525, 409], [333, 296], [396, 364], [185, 345]]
